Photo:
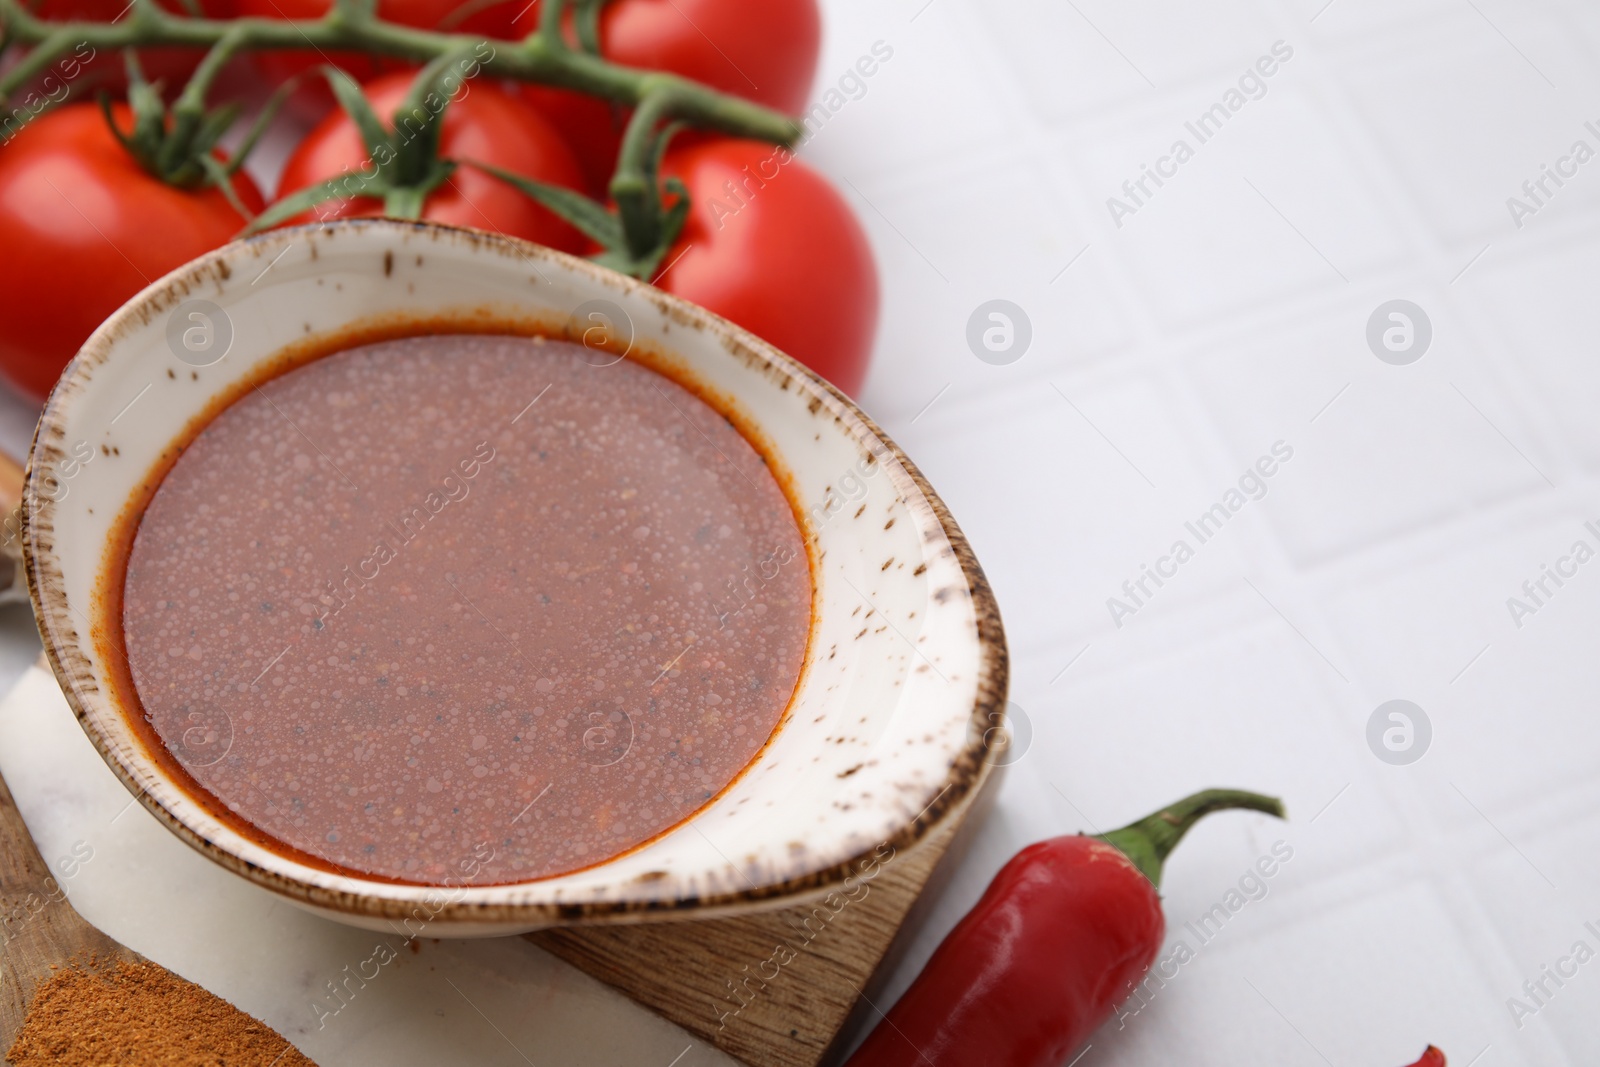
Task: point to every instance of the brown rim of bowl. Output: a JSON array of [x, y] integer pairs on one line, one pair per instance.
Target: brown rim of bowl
[[75, 675]]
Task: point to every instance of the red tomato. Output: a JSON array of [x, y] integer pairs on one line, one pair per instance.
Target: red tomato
[[771, 245], [84, 228], [766, 53], [313, 96], [592, 126], [485, 123]]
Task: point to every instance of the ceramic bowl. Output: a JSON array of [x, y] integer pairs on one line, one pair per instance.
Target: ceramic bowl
[[905, 680]]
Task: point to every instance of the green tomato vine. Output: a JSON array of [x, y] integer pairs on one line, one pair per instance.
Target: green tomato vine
[[177, 144]]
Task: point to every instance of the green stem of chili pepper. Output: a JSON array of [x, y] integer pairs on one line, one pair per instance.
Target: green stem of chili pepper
[[1151, 840]]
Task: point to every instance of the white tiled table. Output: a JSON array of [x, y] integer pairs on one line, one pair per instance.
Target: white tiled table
[[1169, 353]]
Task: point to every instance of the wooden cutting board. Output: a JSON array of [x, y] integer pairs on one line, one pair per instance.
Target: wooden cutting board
[[776, 989]]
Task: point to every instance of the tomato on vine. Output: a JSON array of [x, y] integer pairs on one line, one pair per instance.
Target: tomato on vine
[[741, 228], [459, 149], [313, 97], [86, 226], [770, 60], [769, 244], [481, 122]]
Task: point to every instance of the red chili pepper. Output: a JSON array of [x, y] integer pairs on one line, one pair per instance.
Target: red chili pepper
[[1061, 937], [1431, 1057]]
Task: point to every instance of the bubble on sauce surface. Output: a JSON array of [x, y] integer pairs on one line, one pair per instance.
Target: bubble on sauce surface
[[442, 635]]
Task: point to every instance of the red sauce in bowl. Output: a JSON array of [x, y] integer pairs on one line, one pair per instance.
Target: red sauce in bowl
[[466, 601]]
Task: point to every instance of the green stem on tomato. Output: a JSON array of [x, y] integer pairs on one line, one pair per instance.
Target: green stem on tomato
[[193, 97], [405, 202], [189, 110], [350, 27], [355, 10], [633, 186], [35, 61], [1149, 841], [586, 24], [417, 156], [549, 28], [142, 11]]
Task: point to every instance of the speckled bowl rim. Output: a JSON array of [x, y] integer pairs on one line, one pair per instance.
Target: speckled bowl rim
[[75, 674]]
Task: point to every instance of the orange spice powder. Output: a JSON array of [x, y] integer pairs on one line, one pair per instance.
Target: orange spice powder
[[141, 1014]]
